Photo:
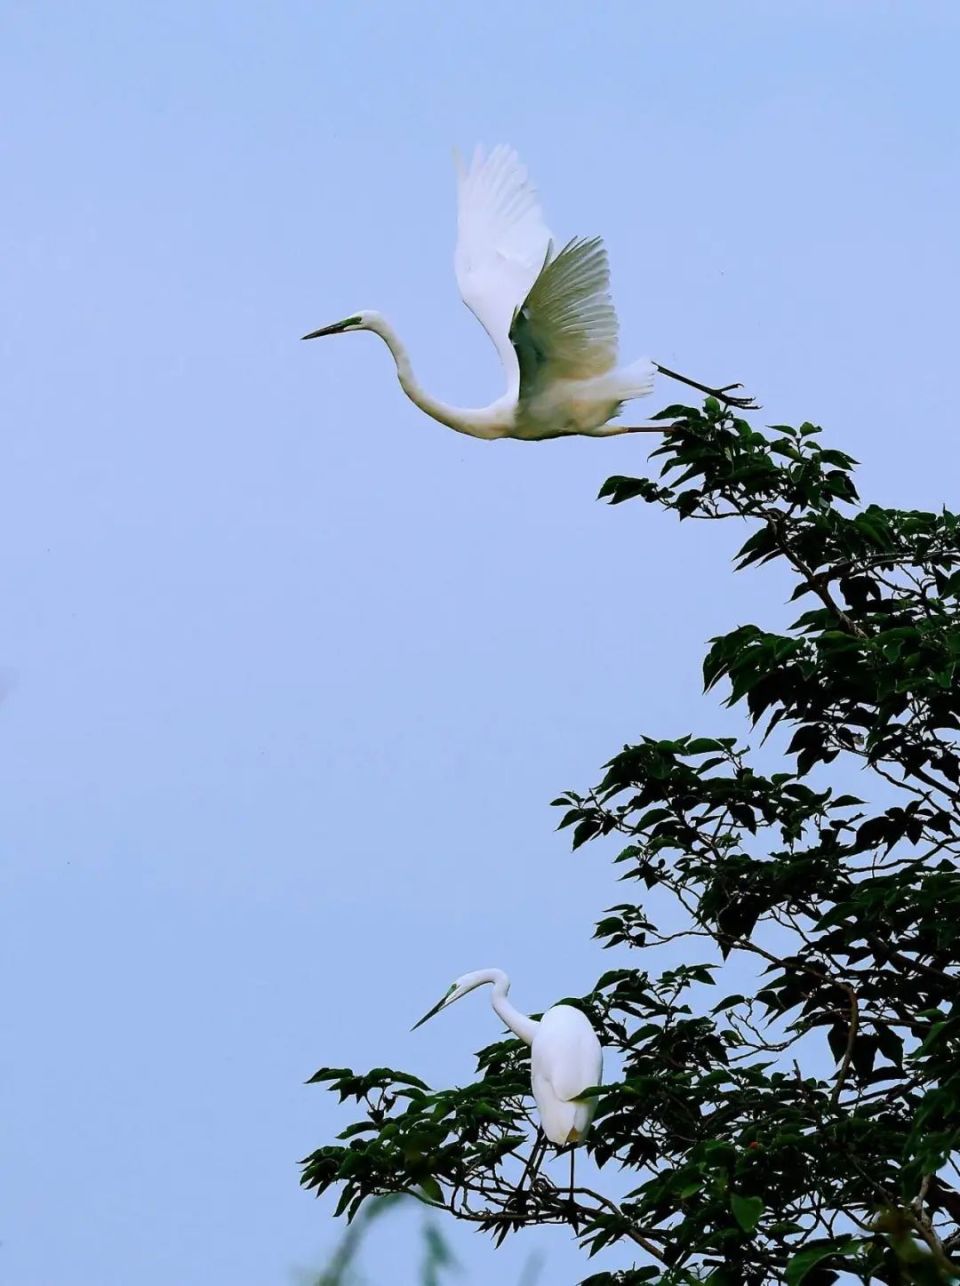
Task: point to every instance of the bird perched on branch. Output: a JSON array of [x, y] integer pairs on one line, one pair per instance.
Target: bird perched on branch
[[566, 1059], [548, 312]]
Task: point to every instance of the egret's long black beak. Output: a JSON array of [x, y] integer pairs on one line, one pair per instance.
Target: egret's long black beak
[[435, 1010], [335, 329]]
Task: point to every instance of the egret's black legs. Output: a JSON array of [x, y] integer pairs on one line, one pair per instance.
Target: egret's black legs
[[517, 1200], [533, 1161], [614, 430], [722, 394], [573, 1207]]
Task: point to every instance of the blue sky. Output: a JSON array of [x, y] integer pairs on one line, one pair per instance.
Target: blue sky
[[291, 673]]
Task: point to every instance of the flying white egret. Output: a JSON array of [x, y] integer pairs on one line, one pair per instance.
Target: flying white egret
[[549, 315], [566, 1058]]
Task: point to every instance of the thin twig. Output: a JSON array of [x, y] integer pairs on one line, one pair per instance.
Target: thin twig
[[851, 1038]]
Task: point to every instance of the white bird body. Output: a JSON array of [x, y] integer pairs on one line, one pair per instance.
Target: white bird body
[[549, 315], [566, 1057]]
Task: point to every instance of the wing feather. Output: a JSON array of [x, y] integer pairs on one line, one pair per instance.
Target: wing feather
[[502, 242], [566, 1052], [567, 325]]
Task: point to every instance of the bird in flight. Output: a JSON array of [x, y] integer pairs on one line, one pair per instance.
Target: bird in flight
[[548, 312]]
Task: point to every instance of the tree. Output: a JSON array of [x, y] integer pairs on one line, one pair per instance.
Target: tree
[[807, 1127]]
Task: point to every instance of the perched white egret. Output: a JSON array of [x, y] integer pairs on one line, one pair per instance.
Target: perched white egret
[[549, 315], [565, 1058]]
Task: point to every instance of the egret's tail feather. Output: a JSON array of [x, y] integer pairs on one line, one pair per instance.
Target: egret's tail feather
[[637, 379]]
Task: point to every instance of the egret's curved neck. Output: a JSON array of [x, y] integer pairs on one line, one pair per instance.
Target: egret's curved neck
[[518, 1023], [464, 421]]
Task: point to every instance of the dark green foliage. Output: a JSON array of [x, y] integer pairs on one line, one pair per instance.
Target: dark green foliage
[[806, 1128]]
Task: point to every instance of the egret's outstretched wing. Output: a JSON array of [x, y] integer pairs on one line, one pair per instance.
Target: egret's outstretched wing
[[566, 327], [502, 241]]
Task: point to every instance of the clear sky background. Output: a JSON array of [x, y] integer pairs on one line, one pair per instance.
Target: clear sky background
[[291, 673]]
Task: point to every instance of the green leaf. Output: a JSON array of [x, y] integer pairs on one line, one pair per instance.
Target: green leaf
[[746, 1210], [431, 1189], [805, 1260], [702, 746]]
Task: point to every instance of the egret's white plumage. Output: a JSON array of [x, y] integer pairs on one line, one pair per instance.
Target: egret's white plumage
[[548, 312], [502, 245], [566, 1057]]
